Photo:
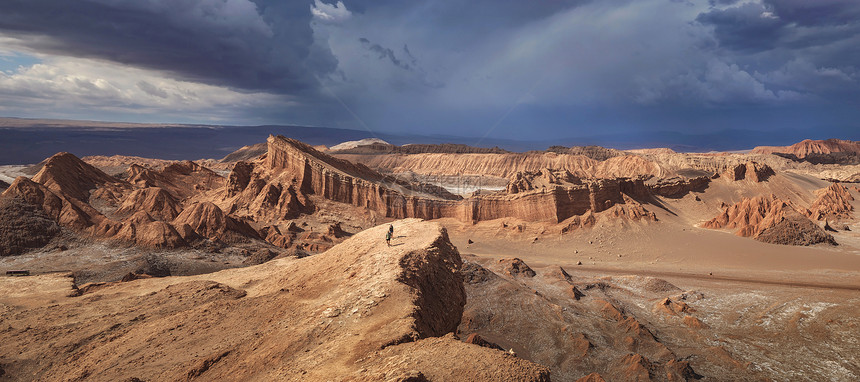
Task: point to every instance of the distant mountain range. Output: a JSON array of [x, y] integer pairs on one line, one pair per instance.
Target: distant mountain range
[[24, 141]]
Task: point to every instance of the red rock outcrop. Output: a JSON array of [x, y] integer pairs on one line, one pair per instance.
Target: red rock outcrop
[[576, 222], [140, 228], [834, 202], [770, 220], [145, 231], [71, 213], [239, 177], [153, 200], [207, 220], [753, 171], [67, 175]]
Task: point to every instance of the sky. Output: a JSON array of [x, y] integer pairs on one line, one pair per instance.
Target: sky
[[542, 69]]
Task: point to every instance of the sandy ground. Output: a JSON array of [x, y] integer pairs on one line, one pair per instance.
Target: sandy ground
[[675, 245]]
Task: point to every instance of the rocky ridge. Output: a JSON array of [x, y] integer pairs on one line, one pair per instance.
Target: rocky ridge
[[374, 313]]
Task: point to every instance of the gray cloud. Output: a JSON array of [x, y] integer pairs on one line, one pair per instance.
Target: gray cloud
[[263, 45], [386, 53], [791, 24], [151, 89]]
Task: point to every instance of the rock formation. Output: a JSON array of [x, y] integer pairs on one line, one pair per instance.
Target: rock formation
[[155, 201], [66, 190], [833, 202], [207, 220], [65, 174], [68, 212], [753, 171], [279, 186], [770, 220], [145, 231], [180, 179], [676, 187]]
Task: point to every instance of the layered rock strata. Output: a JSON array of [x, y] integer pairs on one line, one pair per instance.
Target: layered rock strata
[[277, 188]]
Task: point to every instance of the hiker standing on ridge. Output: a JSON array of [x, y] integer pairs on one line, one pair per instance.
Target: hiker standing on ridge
[[391, 229], [388, 238]]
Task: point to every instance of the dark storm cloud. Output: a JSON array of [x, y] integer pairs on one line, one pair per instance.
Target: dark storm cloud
[[261, 45], [792, 24], [816, 13], [745, 28]]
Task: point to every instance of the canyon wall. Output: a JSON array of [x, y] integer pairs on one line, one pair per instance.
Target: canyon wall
[[291, 163]]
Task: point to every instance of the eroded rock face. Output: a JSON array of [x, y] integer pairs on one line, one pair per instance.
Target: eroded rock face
[[209, 221], [770, 220], [677, 187], [833, 202], [155, 201], [67, 212], [239, 177], [753, 171]]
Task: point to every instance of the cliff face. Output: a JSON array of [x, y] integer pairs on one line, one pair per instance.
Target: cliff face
[[300, 170], [753, 171], [499, 165]]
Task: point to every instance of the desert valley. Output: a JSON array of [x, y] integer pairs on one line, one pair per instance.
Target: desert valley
[[568, 264]]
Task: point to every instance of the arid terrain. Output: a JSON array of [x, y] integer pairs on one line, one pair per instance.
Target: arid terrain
[[568, 264]]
